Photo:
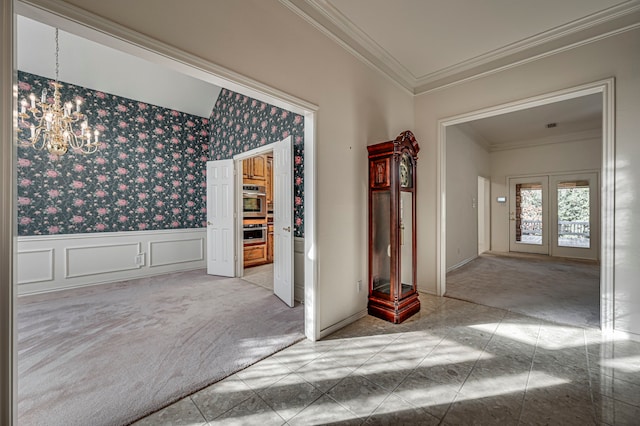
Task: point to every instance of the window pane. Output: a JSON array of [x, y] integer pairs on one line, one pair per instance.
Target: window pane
[[573, 214], [529, 213]]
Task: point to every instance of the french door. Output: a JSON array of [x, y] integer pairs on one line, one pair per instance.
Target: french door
[[555, 215]]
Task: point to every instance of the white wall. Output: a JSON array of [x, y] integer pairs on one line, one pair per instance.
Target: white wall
[[264, 40], [617, 56], [466, 160], [544, 159]]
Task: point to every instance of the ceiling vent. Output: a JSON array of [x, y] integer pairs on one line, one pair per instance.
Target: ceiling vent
[[551, 125]]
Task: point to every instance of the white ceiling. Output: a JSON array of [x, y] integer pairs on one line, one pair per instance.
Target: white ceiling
[[423, 44], [98, 67]]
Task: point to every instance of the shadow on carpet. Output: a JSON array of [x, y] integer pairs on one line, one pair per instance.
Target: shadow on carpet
[[110, 354]]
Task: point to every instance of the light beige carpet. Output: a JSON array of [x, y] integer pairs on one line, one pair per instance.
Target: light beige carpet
[[554, 289], [109, 354]]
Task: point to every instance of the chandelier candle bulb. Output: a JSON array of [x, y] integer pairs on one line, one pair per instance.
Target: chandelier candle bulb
[[33, 100], [43, 99], [78, 103]]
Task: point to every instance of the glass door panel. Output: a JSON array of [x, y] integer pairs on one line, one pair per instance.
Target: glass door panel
[[381, 244], [528, 214], [406, 241]]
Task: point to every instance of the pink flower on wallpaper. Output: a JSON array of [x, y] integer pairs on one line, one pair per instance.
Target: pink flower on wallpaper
[[160, 145], [175, 127], [101, 178], [298, 140], [142, 105], [142, 226], [297, 119], [190, 123], [238, 127], [121, 202], [254, 120], [174, 224], [142, 195], [141, 179], [254, 136], [263, 141], [158, 188], [141, 149], [190, 203], [122, 218], [284, 114], [76, 184], [175, 168], [159, 175], [175, 113], [175, 196], [274, 129], [231, 138], [297, 160], [123, 187], [298, 180], [141, 210], [203, 184], [102, 113], [191, 164], [190, 177], [100, 160], [190, 150], [100, 193], [191, 138], [122, 139], [123, 124], [285, 134], [204, 158], [140, 119], [78, 202], [175, 141], [176, 183], [77, 219], [176, 210], [159, 117], [263, 106], [122, 108], [122, 155], [102, 211], [298, 221], [25, 220], [121, 171], [158, 218], [203, 133], [298, 201], [23, 85], [100, 128], [142, 136], [245, 131], [274, 110], [191, 217], [51, 210], [205, 121], [53, 229], [142, 166], [53, 158], [51, 173], [25, 182], [100, 227], [99, 95], [23, 162], [191, 190], [176, 155], [158, 131], [263, 124], [254, 103]]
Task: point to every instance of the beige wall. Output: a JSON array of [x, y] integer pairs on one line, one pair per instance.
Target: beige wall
[[264, 40], [545, 159], [466, 160], [617, 56]]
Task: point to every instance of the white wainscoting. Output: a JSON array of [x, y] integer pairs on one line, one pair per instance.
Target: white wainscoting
[[54, 262], [298, 269]]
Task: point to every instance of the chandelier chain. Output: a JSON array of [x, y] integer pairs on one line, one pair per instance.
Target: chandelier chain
[[57, 54]]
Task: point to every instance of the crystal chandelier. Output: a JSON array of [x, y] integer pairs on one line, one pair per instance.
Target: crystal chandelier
[[55, 130]]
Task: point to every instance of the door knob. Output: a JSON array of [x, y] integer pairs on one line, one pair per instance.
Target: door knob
[[288, 229]]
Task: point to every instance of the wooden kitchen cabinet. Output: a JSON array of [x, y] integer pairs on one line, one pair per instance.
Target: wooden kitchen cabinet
[[255, 168], [270, 243], [269, 184], [255, 255]]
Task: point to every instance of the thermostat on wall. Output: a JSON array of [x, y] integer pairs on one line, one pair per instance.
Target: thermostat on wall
[[501, 199]]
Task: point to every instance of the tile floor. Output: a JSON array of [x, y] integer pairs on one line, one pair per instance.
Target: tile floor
[[453, 363]]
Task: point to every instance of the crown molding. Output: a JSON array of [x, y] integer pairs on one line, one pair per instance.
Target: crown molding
[[549, 140], [325, 17]]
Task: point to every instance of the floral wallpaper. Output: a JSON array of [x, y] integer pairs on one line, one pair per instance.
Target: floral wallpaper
[[148, 174], [240, 123]]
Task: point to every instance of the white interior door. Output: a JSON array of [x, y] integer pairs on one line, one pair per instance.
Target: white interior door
[[574, 215], [529, 214], [283, 220], [220, 218]]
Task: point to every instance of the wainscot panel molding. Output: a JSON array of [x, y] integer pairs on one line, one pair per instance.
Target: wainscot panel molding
[[55, 262], [298, 269]]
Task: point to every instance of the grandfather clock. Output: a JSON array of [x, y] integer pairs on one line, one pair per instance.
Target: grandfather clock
[[393, 293]]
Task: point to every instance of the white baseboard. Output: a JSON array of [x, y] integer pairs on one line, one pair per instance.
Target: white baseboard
[[54, 262], [345, 322], [460, 264]]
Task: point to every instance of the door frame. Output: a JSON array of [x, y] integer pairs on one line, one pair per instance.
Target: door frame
[[544, 247], [604, 87]]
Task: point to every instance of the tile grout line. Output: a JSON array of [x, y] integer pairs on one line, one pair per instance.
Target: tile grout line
[[533, 357]]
